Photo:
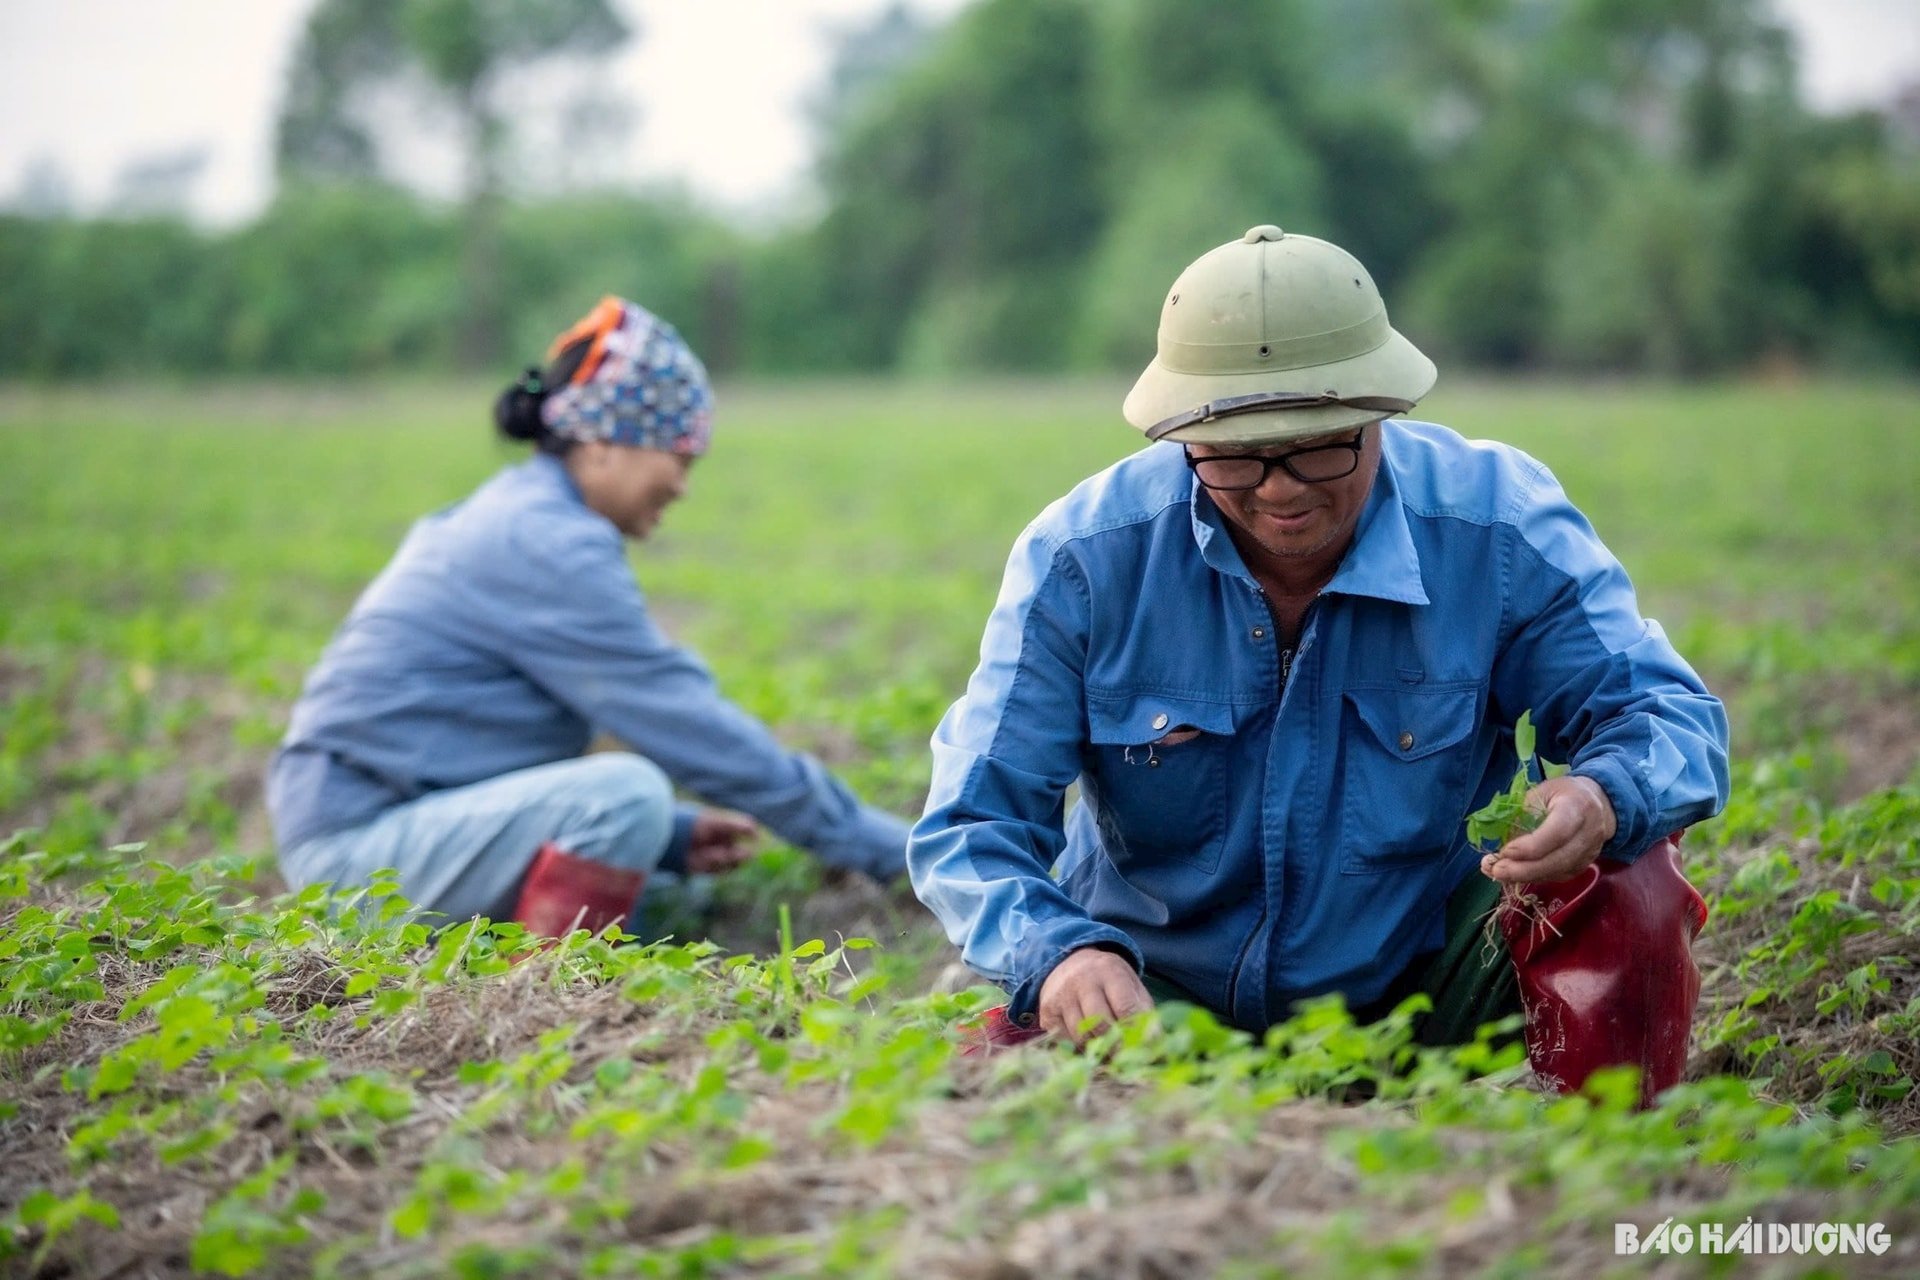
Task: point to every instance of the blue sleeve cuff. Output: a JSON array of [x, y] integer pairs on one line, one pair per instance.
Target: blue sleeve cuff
[[1023, 1007], [679, 841], [1633, 812], [874, 842]]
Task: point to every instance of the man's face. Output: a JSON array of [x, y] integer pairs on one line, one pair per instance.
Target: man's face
[[1293, 520]]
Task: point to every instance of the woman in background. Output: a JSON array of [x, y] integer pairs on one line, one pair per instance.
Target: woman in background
[[441, 733]]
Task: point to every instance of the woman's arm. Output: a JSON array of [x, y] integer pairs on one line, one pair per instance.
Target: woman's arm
[[579, 627]]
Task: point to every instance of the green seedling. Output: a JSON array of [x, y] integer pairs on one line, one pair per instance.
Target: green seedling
[[1507, 814], [169, 1033]]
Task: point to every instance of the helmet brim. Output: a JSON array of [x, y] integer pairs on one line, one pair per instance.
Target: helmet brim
[[1395, 368]]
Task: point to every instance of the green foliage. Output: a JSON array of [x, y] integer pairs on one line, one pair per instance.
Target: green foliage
[[251, 1223], [1824, 973], [456, 50], [963, 199], [1507, 814], [1174, 206], [85, 298], [351, 48], [334, 279], [671, 1109], [1587, 186], [345, 279], [53, 1217], [1655, 284]]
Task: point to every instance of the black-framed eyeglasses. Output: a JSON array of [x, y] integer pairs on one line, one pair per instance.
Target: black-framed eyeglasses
[[1315, 464]]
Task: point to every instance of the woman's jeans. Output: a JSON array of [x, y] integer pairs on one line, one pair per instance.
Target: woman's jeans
[[463, 852]]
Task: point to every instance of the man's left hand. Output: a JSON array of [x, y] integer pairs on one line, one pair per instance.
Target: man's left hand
[[1578, 821], [721, 841]]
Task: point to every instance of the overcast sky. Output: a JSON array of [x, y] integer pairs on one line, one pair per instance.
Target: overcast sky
[[93, 84]]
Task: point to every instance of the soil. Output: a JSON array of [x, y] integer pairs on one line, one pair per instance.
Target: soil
[[1809, 1038], [1148, 1222], [189, 734], [1879, 738], [1226, 1202]]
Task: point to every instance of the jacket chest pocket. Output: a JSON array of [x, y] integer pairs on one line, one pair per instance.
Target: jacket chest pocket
[[1407, 775], [1156, 775]]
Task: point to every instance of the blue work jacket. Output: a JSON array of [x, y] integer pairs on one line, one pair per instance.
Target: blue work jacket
[[1306, 839]]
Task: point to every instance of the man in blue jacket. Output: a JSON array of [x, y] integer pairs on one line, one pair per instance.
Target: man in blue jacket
[[1281, 651]]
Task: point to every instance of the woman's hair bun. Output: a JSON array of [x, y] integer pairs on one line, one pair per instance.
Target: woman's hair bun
[[517, 412]]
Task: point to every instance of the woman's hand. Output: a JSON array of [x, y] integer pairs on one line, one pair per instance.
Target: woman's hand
[[721, 841]]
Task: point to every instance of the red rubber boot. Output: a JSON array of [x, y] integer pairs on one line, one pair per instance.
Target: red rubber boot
[[564, 892], [992, 1032], [1606, 969]]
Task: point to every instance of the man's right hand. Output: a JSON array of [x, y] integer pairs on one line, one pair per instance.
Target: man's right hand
[[1091, 983]]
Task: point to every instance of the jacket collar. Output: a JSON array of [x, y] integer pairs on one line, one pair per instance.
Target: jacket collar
[[1381, 563], [552, 471]]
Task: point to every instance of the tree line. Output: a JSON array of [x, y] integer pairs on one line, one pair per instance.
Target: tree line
[[1568, 184]]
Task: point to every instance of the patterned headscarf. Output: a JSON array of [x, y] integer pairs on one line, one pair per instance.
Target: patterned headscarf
[[639, 384]]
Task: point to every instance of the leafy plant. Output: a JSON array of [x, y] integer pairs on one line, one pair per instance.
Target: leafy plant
[[1507, 814], [171, 1025]]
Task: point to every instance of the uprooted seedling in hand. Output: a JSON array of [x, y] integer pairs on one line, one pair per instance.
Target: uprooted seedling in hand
[[1507, 815]]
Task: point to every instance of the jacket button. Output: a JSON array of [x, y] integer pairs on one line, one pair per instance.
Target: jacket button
[[1406, 742], [1259, 633], [1160, 721]]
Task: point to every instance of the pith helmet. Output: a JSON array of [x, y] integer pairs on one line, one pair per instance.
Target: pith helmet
[[1274, 337]]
